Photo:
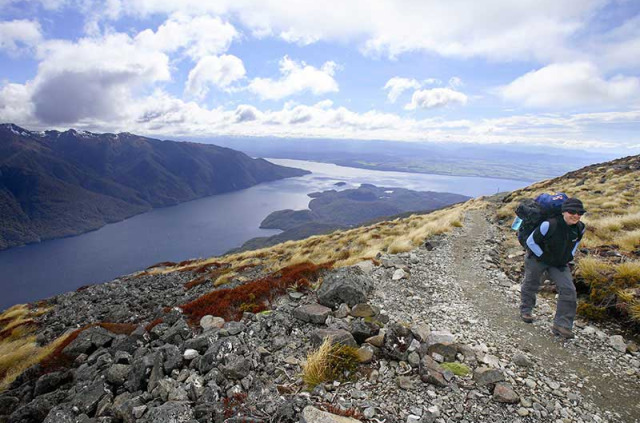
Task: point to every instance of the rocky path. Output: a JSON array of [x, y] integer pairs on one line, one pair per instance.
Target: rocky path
[[606, 387], [456, 287]]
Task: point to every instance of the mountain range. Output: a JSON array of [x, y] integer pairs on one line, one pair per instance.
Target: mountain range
[[55, 184]]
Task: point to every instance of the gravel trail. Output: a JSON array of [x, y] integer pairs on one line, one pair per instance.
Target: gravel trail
[[457, 287]]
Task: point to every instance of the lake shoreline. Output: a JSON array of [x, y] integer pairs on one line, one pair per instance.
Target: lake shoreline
[[205, 227]]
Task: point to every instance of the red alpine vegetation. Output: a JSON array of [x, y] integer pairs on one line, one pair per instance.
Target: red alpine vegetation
[[254, 296]]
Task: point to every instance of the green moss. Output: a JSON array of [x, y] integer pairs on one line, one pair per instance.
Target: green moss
[[457, 368], [344, 360]]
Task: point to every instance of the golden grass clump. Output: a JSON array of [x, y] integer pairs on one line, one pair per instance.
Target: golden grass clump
[[18, 348], [400, 245], [594, 270], [331, 361], [613, 289], [627, 274], [224, 279], [630, 241]]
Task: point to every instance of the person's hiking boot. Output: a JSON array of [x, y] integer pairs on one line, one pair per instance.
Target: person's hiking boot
[[563, 332], [526, 317]]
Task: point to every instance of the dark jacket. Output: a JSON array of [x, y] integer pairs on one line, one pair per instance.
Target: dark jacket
[[554, 242]]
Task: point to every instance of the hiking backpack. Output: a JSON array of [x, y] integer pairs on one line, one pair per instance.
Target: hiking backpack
[[533, 212]]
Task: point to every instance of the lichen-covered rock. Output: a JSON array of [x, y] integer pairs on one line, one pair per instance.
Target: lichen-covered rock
[[347, 285], [446, 350], [62, 413], [339, 336], [51, 381], [440, 337], [117, 374], [236, 367], [8, 404], [485, 376], [364, 310], [88, 397], [209, 322], [312, 313], [313, 415], [362, 329], [173, 412], [503, 392], [397, 340], [88, 341], [38, 409]]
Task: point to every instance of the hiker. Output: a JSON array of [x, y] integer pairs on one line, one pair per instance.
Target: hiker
[[551, 247]]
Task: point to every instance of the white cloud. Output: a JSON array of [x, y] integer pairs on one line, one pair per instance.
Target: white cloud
[[297, 77], [19, 35], [398, 85], [576, 84], [246, 113], [162, 115], [219, 71], [171, 116], [492, 28], [15, 103], [201, 36], [436, 97], [92, 78]]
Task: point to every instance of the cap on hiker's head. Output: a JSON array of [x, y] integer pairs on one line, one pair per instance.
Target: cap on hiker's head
[[573, 205]]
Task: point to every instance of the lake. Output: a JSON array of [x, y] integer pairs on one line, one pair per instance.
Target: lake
[[201, 228]]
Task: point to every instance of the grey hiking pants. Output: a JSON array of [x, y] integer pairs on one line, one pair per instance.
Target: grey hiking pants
[[567, 300]]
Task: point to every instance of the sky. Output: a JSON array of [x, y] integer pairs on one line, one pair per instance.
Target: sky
[[527, 72]]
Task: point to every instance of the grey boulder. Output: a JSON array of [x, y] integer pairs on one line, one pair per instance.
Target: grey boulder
[[347, 285]]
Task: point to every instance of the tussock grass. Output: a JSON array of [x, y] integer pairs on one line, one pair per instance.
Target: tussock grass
[[15, 313], [224, 279], [16, 356], [629, 241], [612, 288], [400, 245], [329, 362], [627, 274], [594, 270], [18, 348]]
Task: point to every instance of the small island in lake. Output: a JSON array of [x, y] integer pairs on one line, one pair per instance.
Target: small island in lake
[[331, 210]]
